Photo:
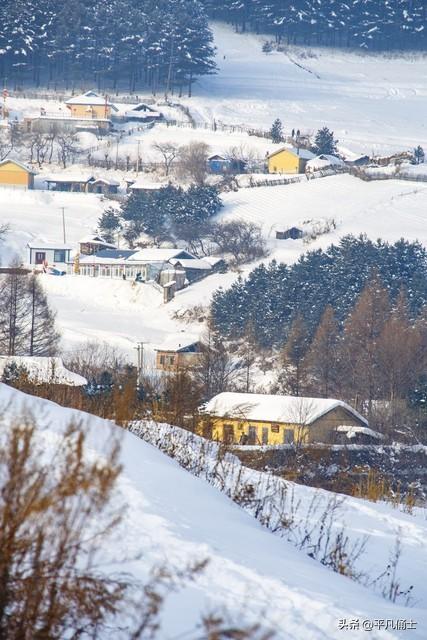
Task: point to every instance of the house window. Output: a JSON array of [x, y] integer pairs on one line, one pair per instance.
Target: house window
[[288, 436], [274, 428], [40, 257], [162, 359], [59, 255], [265, 435], [228, 433], [171, 360], [252, 435]]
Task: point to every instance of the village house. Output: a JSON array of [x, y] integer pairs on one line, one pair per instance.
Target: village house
[[81, 183], [288, 160], [323, 161], [44, 254], [161, 266], [90, 105], [221, 165], [142, 112], [256, 419], [16, 174], [178, 351]]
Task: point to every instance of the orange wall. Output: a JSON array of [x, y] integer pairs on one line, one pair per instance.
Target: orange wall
[[12, 174]]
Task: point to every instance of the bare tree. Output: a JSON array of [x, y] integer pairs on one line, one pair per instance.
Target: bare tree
[[92, 358], [4, 228], [243, 240], [169, 151], [67, 147], [38, 146], [193, 162]]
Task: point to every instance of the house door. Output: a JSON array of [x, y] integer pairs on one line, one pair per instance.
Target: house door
[[207, 431], [228, 433], [265, 435], [40, 257]]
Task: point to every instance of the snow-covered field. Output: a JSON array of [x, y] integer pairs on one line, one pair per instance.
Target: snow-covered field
[[374, 103], [251, 572]]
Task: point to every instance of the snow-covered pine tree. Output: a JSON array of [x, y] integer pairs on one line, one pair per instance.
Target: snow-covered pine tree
[[276, 131], [325, 142]]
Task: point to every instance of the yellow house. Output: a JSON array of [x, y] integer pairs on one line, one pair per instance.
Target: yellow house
[[288, 160], [90, 105], [261, 419], [16, 174]]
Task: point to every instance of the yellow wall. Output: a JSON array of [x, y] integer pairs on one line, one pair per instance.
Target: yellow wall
[[275, 432], [285, 162], [13, 174], [89, 111]]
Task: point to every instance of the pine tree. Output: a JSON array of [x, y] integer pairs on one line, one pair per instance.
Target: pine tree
[[322, 357], [419, 154], [324, 142], [293, 375], [276, 131], [43, 338], [109, 224]]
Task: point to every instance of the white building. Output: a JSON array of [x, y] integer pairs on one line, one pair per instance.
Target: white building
[[48, 254]]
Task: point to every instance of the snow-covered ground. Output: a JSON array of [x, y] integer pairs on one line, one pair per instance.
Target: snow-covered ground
[[374, 103], [123, 313], [251, 572]]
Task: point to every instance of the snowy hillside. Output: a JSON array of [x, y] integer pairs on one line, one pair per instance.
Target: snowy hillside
[[251, 572], [374, 103]]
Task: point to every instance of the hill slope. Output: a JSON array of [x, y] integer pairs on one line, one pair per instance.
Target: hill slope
[[177, 518]]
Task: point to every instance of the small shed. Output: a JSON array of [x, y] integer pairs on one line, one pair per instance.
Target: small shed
[[220, 165], [178, 351], [43, 254], [103, 185], [293, 234]]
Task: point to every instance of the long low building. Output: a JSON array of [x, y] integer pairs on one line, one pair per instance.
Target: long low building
[[146, 265], [261, 419]]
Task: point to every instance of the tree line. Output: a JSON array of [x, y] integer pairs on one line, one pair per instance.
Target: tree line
[[161, 45], [367, 24], [27, 323]]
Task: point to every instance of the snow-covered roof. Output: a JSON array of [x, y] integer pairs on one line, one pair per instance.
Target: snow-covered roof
[[272, 408], [322, 161], [68, 177], [352, 431], [177, 341], [19, 164], [305, 154], [43, 369], [108, 256], [48, 244], [90, 98], [97, 240], [160, 255], [196, 263]]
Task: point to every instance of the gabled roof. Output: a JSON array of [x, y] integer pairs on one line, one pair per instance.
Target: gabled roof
[[109, 181], [178, 341], [95, 239], [216, 156], [196, 263], [90, 98], [19, 164], [142, 106], [270, 408], [305, 154]]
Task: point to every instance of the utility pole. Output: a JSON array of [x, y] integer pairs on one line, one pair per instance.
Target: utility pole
[[63, 223], [140, 363]]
